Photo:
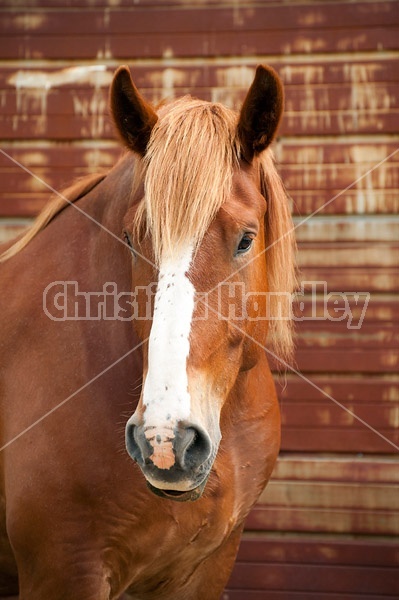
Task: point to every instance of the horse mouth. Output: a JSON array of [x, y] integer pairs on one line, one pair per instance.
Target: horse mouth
[[177, 496]]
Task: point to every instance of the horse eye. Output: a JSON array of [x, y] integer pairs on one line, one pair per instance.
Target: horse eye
[[127, 240], [245, 244]]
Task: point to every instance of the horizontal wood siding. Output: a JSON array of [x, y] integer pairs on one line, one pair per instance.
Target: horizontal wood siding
[[325, 526], [312, 567]]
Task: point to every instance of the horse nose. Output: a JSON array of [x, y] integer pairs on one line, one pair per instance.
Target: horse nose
[[184, 448]]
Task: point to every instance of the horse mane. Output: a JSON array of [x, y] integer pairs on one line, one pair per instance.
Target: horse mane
[[71, 194], [280, 256], [187, 171]]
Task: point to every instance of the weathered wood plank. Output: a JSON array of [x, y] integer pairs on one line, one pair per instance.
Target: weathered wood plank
[[348, 228], [56, 127], [360, 470], [321, 579], [46, 155], [361, 360], [362, 440], [136, 19], [96, 126], [328, 414], [66, 100], [190, 44], [334, 495], [342, 201], [329, 520], [361, 279], [244, 594], [343, 388], [326, 177], [304, 77], [355, 254], [339, 153], [11, 228], [327, 334], [271, 550], [308, 549], [317, 312]]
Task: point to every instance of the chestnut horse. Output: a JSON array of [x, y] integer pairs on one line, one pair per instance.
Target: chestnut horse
[[176, 378]]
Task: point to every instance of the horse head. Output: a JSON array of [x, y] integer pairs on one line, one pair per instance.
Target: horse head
[[207, 204]]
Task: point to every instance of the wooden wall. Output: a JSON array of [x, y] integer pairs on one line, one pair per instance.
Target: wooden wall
[[325, 527]]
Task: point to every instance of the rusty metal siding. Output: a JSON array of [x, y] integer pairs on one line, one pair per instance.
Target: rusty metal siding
[[338, 155]]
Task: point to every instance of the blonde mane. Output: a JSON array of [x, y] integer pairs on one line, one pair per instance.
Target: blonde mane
[[280, 257]]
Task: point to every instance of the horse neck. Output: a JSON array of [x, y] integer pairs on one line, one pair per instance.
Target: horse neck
[[114, 196], [98, 225]]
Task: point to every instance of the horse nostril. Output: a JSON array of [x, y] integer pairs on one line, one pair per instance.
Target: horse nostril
[[192, 447], [137, 446]]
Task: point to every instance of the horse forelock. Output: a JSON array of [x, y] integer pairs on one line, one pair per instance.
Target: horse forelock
[[189, 167]]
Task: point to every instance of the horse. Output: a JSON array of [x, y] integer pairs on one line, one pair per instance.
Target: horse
[[139, 418]]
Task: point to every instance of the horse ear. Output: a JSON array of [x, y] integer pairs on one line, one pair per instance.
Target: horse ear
[[261, 112], [133, 116]]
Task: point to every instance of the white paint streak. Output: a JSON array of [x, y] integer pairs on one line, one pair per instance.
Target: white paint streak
[[230, 82], [165, 396], [29, 22], [33, 86], [167, 80], [43, 79]]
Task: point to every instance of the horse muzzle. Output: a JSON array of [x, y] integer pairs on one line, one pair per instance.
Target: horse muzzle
[[175, 460]]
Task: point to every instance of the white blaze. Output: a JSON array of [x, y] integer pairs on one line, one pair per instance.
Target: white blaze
[[165, 394]]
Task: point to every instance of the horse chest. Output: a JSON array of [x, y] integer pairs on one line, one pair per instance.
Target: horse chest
[[165, 546]]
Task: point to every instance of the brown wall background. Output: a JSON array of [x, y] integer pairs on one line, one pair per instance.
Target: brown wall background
[[326, 525]]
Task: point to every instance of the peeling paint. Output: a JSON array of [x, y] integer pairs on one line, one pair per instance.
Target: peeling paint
[[96, 158], [365, 189], [94, 110], [29, 21], [306, 73], [364, 93], [348, 228], [168, 53], [34, 157], [313, 17], [33, 86], [167, 80], [231, 81], [392, 394], [105, 53], [11, 228]]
